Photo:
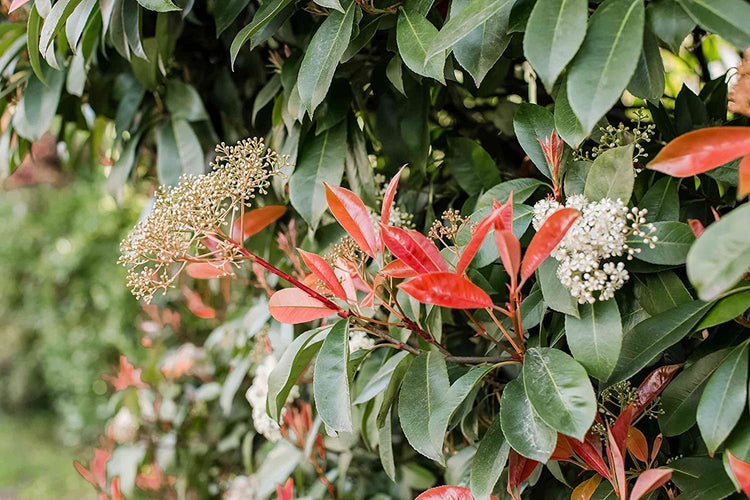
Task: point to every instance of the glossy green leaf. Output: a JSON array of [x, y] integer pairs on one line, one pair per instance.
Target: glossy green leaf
[[701, 478], [524, 430], [489, 461], [672, 246], [323, 55], [726, 309], [465, 22], [532, 122], [331, 380], [606, 60], [321, 160], [330, 4], [33, 30], [385, 448], [266, 12], [414, 34], [611, 175], [226, 12], [54, 21], [471, 166], [266, 95], [738, 442], [556, 296], [367, 30], [132, 20], [723, 399], [649, 79], [554, 32], [76, 23], [659, 292], [680, 398], [159, 5], [381, 378], [522, 190], [669, 21], [122, 167], [38, 106], [649, 338], [575, 177], [661, 200], [727, 18], [188, 148], [393, 388], [559, 390], [595, 339], [721, 256], [567, 124], [184, 102]]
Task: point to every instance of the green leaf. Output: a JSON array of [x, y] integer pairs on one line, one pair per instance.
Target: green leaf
[[723, 400], [132, 20], [522, 190], [381, 378], [739, 441], [559, 390], [188, 148], [659, 292], [393, 388], [489, 461], [33, 30], [575, 177], [727, 18], [294, 360], [385, 448], [721, 256], [680, 399], [596, 338], [669, 22], [331, 381], [478, 51], [471, 166], [555, 31], [726, 309], [649, 79], [225, 12], [532, 122], [267, 11], [701, 478], [672, 246], [611, 175], [76, 23], [54, 22], [414, 34], [266, 94], [556, 296], [661, 200], [366, 32], [462, 24], [320, 160], [38, 106], [533, 307], [425, 388], [524, 430], [649, 338], [607, 59], [394, 72], [330, 4], [159, 5], [566, 122], [184, 102], [122, 167], [323, 55]]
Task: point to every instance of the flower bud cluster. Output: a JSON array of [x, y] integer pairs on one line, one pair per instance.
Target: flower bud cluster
[[600, 234], [257, 394]]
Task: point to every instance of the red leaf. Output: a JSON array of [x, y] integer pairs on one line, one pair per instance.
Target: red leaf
[[648, 481], [744, 186], [701, 150], [196, 305], [510, 253], [637, 444], [653, 385], [477, 238], [546, 239], [617, 463], [741, 471], [256, 220], [292, 305], [208, 270], [519, 469], [448, 493], [324, 272], [656, 447], [287, 492], [390, 193], [353, 217], [590, 455], [398, 269], [447, 290], [563, 450], [417, 252], [15, 4], [116, 495], [696, 226], [586, 489], [506, 212]]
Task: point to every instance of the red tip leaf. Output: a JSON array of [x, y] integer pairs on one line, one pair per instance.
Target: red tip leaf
[[256, 220], [447, 290], [413, 248], [448, 493], [701, 150], [510, 253], [741, 471], [649, 481], [563, 451], [586, 489], [324, 272], [506, 212], [292, 305], [196, 305], [696, 226], [637, 444], [519, 469], [15, 4], [286, 492], [398, 269], [590, 455], [743, 189], [116, 495], [477, 238], [208, 270], [353, 217], [546, 239], [390, 193], [617, 462]]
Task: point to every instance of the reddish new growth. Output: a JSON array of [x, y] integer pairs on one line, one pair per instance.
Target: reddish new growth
[[553, 148], [739, 97]]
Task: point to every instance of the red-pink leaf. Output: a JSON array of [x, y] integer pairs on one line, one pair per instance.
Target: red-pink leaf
[[353, 217], [696, 226], [324, 272], [586, 489], [116, 494], [477, 238], [506, 212], [590, 455], [208, 270], [656, 447], [398, 269], [287, 491], [196, 305], [617, 463], [648, 481], [447, 290], [448, 493], [637, 444], [620, 428], [744, 186], [413, 249], [653, 385], [15, 4], [546, 239], [292, 305], [510, 253], [563, 450], [256, 220], [519, 469], [390, 193], [701, 150], [741, 471]]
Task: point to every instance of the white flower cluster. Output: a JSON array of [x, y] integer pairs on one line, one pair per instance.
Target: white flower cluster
[[599, 234], [242, 488], [123, 428], [359, 340], [257, 394]]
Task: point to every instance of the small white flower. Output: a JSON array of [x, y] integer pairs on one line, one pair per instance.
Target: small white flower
[[242, 488], [359, 340], [123, 428], [257, 394]]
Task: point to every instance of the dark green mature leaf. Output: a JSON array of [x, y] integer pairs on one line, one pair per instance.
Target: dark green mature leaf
[[414, 34], [567, 124], [649, 79], [728, 18], [472, 167], [266, 12], [331, 380], [168, 164], [669, 21], [559, 390], [524, 430], [672, 246], [556, 296], [607, 59], [54, 22], [321, 160], [533, 307], [649, 338], [659, 292], [489, 461], [188, 148], [532, 122], [33, 30], [575, 177], [385, 448], [595, 339], [738, 442], [661, 200], [266, 94], [727, 309], [132, 20], [366, 31], [424, 390], [723, 399], [38, 107], [465, 22], [76, 23], [701, 478], [721, 256], [323, 55], [184, 102], [478, 51], [159, 5], [393, 389], [680, 398], [381, 378], [522, 189], [611, 175], [122, 167], [555, 31], [225, 12]]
